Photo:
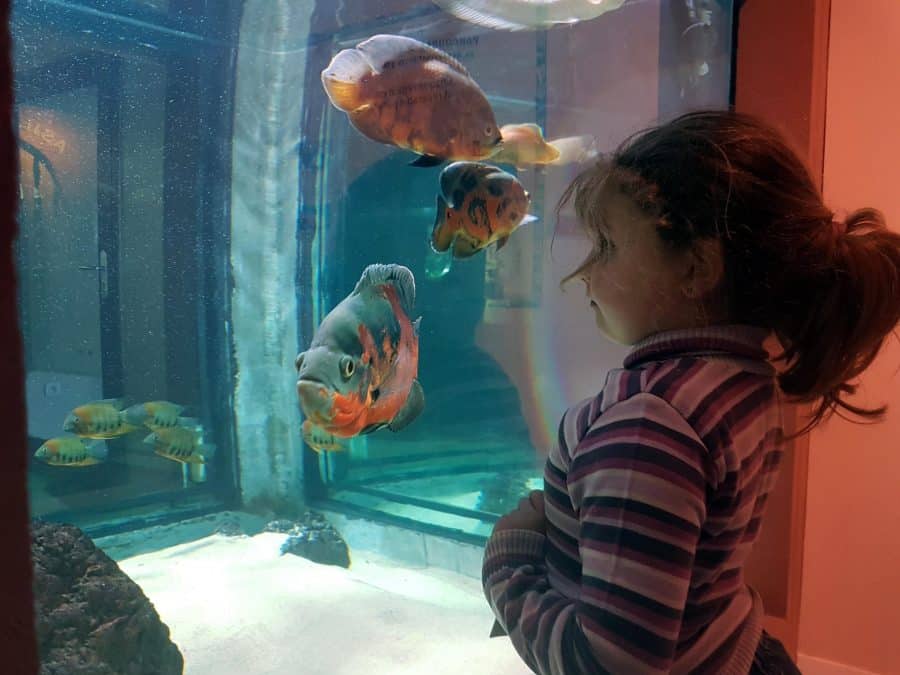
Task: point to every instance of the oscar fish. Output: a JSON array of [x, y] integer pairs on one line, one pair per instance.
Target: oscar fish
[[479, 204], [71, 451], [153, 414], [98, 419], [181, 443], [359, 372], [402, 92]]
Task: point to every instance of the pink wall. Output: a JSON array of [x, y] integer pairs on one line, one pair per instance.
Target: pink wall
[[850, 611]]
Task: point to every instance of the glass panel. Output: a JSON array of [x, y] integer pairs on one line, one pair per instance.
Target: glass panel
[[115, 254], [500, 352]]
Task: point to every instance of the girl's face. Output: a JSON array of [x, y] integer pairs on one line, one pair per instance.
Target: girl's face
[[636, 285]]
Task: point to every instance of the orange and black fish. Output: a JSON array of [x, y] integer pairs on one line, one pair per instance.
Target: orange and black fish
[[98, 419], [402, 92], [71, 451], [359, 373], [479, 204]]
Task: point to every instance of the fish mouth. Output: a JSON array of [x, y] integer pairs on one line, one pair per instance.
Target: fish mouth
[[315, 400]]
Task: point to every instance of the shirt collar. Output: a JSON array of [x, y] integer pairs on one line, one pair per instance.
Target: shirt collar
[[738, 340]]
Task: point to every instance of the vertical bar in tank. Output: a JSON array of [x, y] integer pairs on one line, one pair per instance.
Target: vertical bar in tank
[[109, 188]]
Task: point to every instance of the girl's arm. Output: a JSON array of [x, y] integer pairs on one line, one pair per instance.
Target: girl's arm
[[636, 479]]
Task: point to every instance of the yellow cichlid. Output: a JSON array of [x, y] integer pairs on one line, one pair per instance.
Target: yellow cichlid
[[524, 145], [153, 414], [71, 451], [181, 443], [98, 419]]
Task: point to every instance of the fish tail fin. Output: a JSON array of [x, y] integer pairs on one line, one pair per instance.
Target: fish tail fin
[[98, 450], [189, 422], [342, 78], [208, 450], [134, 415], [397, 275], [441, 235]]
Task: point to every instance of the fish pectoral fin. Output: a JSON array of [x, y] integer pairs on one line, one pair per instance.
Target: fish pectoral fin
[[415, 404], [528, 219], [501, 242], [425, 161], [441, 236]]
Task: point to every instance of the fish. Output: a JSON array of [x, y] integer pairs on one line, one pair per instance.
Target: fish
[[574, 149], [71, 451], [359, 373], [517, 15], [524, 145], [478, 205], [153, 414], [402, 92], [98, 419], [181, 443], [320, 440]]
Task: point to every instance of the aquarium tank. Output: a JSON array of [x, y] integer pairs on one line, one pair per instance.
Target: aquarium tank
[[196, 197]]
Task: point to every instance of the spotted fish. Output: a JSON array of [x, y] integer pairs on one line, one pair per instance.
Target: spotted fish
[[478, 205], [402, 92]]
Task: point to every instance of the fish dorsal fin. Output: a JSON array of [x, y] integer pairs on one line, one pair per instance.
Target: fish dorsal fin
[[528, 126], [397, 275], [381, 49], [116, 403]]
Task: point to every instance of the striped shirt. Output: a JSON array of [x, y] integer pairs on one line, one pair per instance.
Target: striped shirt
[[653, 498]]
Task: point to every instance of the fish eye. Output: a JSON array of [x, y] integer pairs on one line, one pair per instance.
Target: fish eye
[[489, 131], [347, 367]]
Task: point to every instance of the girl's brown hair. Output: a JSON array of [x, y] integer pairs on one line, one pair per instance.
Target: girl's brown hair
[[828, 289]]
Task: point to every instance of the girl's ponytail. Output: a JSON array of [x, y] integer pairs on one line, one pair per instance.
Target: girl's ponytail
[[856, 308]]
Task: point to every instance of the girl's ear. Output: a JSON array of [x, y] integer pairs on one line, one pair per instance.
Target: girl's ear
[[705, 268]]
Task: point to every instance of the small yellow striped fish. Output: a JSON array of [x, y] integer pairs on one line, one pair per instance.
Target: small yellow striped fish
[[153, 414], [181, 443], [98, 419], [71, 451]]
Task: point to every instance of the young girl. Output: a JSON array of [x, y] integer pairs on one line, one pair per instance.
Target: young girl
[[708, 235]]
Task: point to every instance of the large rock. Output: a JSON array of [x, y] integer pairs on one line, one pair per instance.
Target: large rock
[[91, 618], [312, 537]]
